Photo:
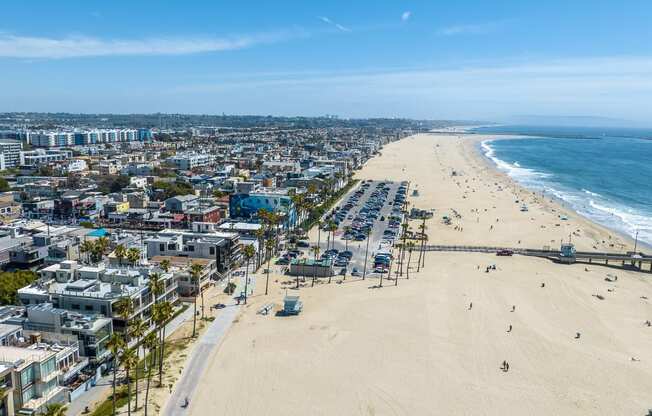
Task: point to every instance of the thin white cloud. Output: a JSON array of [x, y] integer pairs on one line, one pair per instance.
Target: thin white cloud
[[334, 24], [406, 16], [470, 29], [611, 86], [12, 46]]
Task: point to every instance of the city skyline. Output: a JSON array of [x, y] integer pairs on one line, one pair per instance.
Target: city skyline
[[427, 61]]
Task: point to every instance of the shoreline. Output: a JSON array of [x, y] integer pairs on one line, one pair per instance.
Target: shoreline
[[560, 202], [436, 338]]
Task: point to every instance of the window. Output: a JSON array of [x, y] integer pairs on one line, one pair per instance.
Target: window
[[27, 376], [172, 247], [88, 307], [28, 394], [191, 248], [212, 250], [75, 306], [48, 367], [161, 247]]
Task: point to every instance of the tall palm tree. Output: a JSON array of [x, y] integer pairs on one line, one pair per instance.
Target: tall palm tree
[[120, 253], [410, 248], [129, 361], [138, 328], [260, 234], [315, 250], [163, 311], [249, 252], [124, 308], [54, 409], [331, 232], [86, 248], [115, 344], [151, 344], [422, 231], [156, 287], [346, 229], [269, 246], [133, 256], [366, 253], [100, 248], [196, 270]]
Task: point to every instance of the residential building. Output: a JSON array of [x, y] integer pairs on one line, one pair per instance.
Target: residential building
[[10, 154]]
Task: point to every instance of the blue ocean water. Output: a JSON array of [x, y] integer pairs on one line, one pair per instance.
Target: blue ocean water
[[603, 174]]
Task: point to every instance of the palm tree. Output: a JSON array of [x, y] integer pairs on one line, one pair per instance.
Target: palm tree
[[366, 253], [410, 247], [120, 253], [86, 247], [100, 247], [165, 265], [315, 250], [319, 224], [115, 345], [422, 230], [195, 276], [269, 246], [124, 308], [54, 409], [260, 234], [150, 343], [133, 256], [249, 252], [161, 313], [331, 231], [138, 329], [129, 360]]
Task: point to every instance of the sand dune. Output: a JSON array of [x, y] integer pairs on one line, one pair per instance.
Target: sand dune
[[417, 349]]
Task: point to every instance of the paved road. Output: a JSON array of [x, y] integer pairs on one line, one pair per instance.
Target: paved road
[[102, 388], [193, 371]]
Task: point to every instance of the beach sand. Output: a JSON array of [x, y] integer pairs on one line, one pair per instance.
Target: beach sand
[[417, 348]]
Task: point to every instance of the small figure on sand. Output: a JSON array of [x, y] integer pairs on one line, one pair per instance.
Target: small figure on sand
[[577, 335], [510, 328], [513, 308], [648, 323], [505, 366], [543, 284], [470, 305]]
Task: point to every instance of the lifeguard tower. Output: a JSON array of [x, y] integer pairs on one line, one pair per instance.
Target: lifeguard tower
[[567, 253]]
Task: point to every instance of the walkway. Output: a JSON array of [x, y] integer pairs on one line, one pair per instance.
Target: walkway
[[102, 388], [197, 361]]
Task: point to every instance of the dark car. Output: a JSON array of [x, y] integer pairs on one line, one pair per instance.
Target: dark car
[[505, 253]]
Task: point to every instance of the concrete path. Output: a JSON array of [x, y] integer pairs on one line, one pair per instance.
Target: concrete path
[[103, 386], [197, 361]]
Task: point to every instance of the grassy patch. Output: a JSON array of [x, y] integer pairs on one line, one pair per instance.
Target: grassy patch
[[106, 408]]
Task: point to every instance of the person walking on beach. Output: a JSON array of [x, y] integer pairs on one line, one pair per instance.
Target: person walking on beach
[[510, 328], [513, 308], [470, 305]]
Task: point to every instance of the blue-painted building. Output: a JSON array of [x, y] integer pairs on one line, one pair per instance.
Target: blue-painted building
[[246, 206]]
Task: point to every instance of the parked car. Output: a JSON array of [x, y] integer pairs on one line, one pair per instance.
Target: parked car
[[505, 253]]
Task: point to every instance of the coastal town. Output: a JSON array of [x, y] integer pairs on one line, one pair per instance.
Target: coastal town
[[110, 235]]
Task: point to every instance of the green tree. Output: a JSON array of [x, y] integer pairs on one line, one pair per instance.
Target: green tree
[[10, 282], [129, 360], [54, 409], [151, 345], [4, 185], [161, 313], [269, 246], [133, 256], [120, 253], [137, 329]]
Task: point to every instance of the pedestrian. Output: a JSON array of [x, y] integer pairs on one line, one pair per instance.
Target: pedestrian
[[543, 284], [510, 328], [470, 305], [513, 308], [577, 335]]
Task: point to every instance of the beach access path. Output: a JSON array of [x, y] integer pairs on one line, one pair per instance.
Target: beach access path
[[197, 361]]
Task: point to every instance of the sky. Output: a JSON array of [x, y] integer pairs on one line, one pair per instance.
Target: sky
[[430, 59]]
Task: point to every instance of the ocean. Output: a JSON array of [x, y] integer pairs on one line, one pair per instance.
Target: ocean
[[604, 174]]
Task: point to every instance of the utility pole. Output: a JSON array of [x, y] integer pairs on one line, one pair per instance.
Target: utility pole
[[636, 241]]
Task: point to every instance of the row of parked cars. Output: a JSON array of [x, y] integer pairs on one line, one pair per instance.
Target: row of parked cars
[[339, 258], [288, 256], [370, 212]]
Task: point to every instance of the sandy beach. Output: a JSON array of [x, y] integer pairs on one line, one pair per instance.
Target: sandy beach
[[418, 348]]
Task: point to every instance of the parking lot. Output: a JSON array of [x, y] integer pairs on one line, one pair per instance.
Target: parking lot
[[373, 208]]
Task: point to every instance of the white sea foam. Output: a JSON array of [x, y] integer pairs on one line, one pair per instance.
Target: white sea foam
[[585, 202]]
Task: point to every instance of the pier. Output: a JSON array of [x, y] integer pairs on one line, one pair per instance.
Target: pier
[[567, 255]]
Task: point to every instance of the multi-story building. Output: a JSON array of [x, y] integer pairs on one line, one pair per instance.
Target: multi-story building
[[41, 157], [223, 247], [35, 378], [247, 206], [191, 160], [52, 139], [10, 154]]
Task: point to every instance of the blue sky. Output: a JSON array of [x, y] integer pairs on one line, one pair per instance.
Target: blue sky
[[422, 59]]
